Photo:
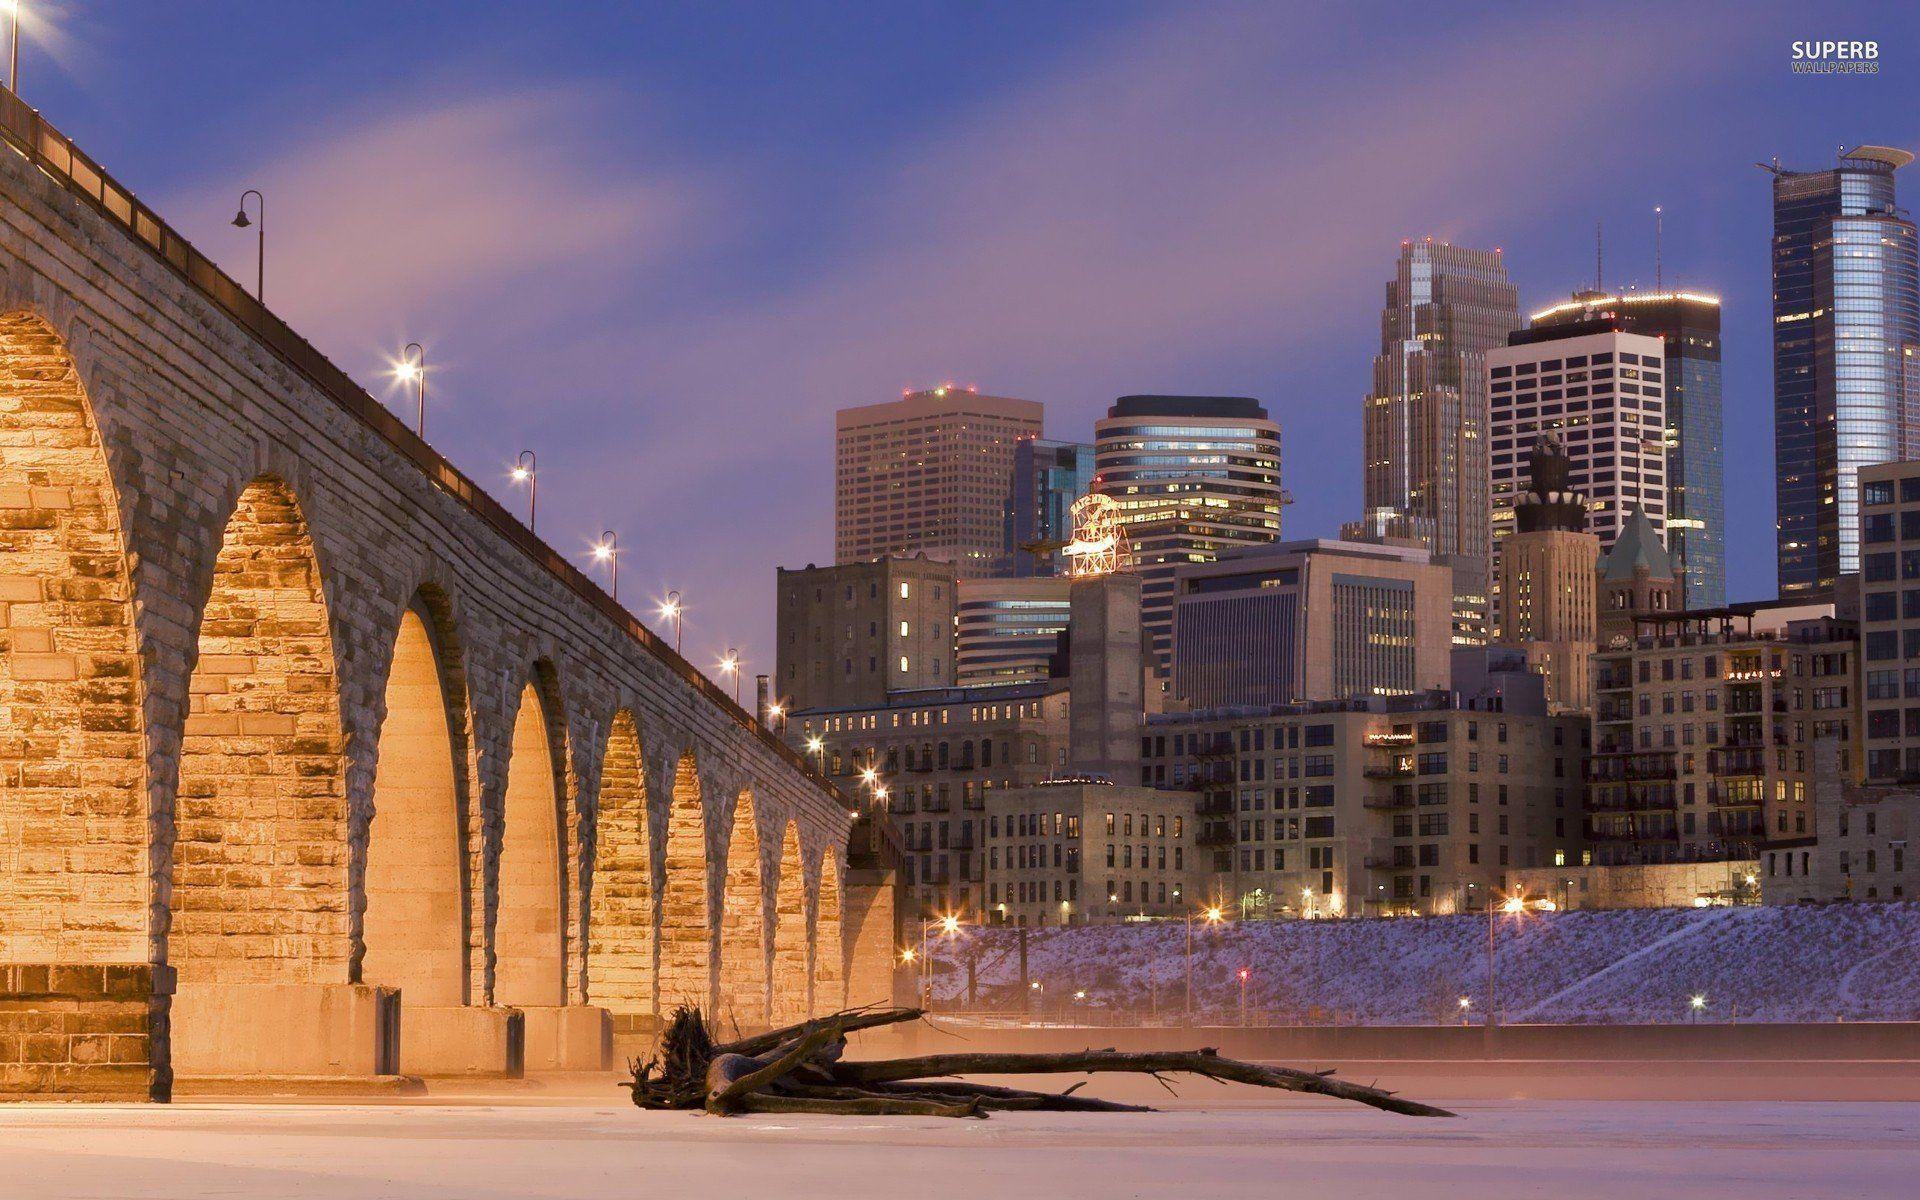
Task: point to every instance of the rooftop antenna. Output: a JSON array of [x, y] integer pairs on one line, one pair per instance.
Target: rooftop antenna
[[1599, 260], [1658, 277]]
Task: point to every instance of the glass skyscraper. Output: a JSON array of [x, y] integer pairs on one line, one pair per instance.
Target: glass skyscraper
[[1688, 324], [1846, 333], [1425, 421], [1047, 478], [1194, 476]]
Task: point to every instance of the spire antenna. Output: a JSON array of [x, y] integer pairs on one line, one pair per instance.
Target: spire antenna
[[1658, 278], [1599, 260]]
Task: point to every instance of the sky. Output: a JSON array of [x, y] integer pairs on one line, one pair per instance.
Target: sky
[[660, 244]]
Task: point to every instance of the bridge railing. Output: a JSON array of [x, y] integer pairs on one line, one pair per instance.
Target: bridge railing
[[23, 129]]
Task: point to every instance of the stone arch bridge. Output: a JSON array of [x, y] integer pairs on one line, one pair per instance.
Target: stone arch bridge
[[313, 760]]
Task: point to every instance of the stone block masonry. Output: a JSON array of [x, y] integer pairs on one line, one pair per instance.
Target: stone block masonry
[[280, 690], [84, 1032]]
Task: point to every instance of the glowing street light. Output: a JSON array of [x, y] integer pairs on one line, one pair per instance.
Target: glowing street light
[[1212, 914], [1697, 1004], [672, 610], [607, 550], [412, 368], [817, 746], [949, 926], [527, 470], [240, 221], [730, 665]]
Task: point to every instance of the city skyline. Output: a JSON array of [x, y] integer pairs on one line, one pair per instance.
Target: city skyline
[[640, 400]]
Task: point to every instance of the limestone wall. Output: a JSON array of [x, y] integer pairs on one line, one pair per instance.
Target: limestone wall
[[205, 559]]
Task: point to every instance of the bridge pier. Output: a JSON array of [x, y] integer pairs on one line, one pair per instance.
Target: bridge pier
[[76, 1032], [577, 1037], [462, 1040], [259, 1031]]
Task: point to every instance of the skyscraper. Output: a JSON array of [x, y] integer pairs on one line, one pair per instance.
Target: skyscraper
[[1047, 478], [928, 474], [1689, 325], [1602, 393], [1425, 422], [1194, 476], [1846, 355]]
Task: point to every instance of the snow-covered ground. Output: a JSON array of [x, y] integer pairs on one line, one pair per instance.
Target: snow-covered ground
[[1845, 962], [1565, 1150]]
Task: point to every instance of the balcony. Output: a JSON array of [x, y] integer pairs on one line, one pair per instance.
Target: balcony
[[1641, 766], [1391, 802], [1214, 833], [1397, 768], [1214, 804]]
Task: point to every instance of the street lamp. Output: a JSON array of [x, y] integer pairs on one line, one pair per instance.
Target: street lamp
[[1516, 905], [671, 609], [776, 712], [412, 368], [607, 550], [240, 221], [949, 928], [1212, 914], [13, 56], [730, 665], [526, 470], [817, 746], [1244, 972]]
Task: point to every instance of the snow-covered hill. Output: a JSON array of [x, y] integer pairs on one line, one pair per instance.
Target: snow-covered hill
[[1849, 962]]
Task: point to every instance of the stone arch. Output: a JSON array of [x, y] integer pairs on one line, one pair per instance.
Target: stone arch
[[791, 999], [829, 982], [259, 850], [744, 945], [529, 935], [415, 927], [75, 877], [686, 936], [622, 956]]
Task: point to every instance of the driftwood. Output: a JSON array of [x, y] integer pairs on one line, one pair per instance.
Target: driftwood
[[801, 1069]]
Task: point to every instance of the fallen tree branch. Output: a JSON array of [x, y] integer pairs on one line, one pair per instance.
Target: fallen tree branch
[[800, 1069], [1206, 1063]]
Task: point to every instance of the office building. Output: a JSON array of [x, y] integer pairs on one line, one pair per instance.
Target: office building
[[1392, 806], [1548, 585], [1704, 730], [852, 634], [1077, 852], [1316, 619], [1846, 355], [928, 474], [1047, 478], [1008, 630], [1425, 420], [1602, 396], [1195, 477], [1688, 325], [1890, 621]]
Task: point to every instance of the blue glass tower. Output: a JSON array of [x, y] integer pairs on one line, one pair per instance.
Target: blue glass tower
[[1047, 478], [1846, 355]]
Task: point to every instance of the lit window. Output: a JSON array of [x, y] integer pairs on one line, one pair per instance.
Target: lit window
[[903, 664], [905, 590], [903, 629]]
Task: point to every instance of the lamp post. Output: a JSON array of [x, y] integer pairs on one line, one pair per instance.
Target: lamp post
[[671, 609], [607, 550], [413, 369], [817, 747], [949, 927], [526, 470], [240, 221], [13, 55], [730, 665], [1212, 915], [1243, 996]]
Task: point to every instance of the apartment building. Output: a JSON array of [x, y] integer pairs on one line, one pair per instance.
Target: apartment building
[[1704, 729], [1890, 620], [1076, 852], [939, 755], [1403, 805]]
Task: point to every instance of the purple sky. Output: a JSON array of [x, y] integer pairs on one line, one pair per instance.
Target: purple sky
[[661, 244]]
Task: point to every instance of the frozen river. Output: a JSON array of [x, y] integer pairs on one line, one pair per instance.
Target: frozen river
[[582, 1150]]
